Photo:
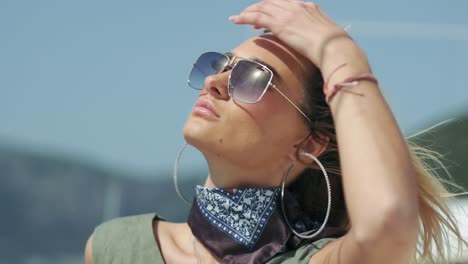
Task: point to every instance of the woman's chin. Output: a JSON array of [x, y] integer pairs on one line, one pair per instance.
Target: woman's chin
[[197, 134]]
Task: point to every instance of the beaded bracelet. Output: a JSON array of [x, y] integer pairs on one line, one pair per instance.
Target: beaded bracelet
[[351, 81]]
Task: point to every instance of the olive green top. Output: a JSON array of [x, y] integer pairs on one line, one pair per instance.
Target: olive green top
[[130, 239]]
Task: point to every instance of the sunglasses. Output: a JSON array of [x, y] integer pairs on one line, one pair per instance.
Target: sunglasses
[[248, 80]]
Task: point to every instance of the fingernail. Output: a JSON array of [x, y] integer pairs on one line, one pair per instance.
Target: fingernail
[[232, 18]]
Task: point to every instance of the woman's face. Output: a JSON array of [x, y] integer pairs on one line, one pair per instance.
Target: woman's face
[[261, 137]]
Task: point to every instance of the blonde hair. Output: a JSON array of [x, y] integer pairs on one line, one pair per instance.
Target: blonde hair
[[438, 222]]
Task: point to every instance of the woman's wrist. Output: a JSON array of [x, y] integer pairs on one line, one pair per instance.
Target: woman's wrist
[[343, 50]]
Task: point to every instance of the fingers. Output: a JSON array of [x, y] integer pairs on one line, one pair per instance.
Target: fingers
[[272, 7], [267, 12], [264, 13], [259, 15], [286, 5], [267, 7], [254, 18]]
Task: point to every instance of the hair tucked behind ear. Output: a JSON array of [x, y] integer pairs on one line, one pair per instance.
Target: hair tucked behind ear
[[437, 222]]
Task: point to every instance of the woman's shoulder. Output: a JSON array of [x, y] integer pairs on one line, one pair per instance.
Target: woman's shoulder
[[128, 221], [302, 254], [126, 239]]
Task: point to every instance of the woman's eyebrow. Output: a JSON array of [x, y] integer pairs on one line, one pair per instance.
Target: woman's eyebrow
[[275, 72]]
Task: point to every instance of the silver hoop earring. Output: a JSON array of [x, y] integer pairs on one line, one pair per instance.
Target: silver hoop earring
[[283, 181], [176, 167]]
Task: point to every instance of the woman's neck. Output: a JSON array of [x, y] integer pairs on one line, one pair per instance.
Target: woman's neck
[[227, 175]]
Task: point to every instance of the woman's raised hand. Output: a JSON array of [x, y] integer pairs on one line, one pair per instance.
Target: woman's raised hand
[[301, 25]]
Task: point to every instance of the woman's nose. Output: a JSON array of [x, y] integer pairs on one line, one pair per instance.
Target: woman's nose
[[217, 84]]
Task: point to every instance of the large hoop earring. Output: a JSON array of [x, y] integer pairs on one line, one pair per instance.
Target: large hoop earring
[[176, 168], [283, 181]]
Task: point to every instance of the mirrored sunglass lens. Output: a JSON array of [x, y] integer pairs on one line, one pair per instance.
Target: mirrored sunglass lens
[[248, 81], [207, 64]]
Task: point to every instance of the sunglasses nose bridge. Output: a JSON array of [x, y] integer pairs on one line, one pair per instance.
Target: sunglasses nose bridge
[[229, 65], [231, 61]]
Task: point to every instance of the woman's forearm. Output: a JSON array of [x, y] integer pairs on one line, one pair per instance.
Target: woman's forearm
[[378, 176]]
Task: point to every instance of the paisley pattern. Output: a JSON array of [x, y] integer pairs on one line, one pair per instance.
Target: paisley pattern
[[242, 214]]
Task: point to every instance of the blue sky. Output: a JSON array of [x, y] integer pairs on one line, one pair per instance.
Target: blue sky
[[106, 81]]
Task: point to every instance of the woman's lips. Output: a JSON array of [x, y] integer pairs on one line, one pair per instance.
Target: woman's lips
[[205, 107]]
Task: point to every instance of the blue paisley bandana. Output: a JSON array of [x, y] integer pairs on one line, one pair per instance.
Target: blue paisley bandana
[[247, 226], [241, 214]]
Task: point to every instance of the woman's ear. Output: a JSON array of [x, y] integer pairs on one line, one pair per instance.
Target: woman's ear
[[311, 145]]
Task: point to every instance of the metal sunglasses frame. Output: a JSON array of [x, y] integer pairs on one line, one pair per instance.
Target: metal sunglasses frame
[[231, 58]]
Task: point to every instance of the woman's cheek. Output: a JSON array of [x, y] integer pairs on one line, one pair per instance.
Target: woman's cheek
[[265, 109]]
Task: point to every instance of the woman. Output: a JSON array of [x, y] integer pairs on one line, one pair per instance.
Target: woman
[[265, 118]]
